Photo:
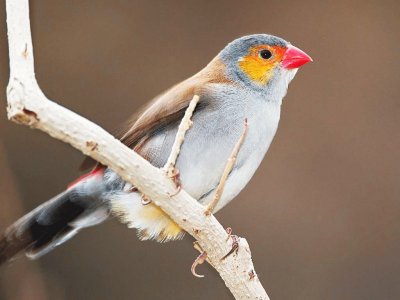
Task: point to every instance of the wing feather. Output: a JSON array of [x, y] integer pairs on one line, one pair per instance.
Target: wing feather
[[165, 109]]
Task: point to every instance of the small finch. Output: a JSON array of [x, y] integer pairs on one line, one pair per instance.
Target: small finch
[[247, 80]]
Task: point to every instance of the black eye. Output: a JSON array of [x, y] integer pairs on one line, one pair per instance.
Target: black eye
[[265, 54]]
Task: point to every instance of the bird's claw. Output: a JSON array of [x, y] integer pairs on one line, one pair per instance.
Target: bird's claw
[[145, 200], [235, 243], [198, 261], [174, 174]]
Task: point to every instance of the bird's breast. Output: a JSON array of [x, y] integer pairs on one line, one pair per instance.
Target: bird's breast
[[215, 131]]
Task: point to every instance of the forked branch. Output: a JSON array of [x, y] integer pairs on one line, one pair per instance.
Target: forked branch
[[28, 105]]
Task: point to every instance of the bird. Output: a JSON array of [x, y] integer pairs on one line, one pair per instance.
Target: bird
[[247, 80]]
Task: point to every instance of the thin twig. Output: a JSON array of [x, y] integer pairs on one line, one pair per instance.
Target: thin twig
[[228, 168], [184, 126], [169, 166]]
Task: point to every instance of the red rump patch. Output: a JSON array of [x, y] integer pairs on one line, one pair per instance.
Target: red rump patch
[[98, 171]]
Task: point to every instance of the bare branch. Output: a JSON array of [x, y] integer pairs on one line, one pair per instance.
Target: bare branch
[[28, 105]]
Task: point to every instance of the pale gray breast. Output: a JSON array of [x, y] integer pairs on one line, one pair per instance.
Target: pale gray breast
[[217, 125]]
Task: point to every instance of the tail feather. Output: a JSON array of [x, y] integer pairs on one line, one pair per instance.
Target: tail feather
[[9, 246], [51, 224]]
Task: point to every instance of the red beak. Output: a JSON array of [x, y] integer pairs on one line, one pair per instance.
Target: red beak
[[294, 58]]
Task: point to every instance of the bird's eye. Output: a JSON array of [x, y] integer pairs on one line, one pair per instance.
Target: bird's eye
[[265, 54]]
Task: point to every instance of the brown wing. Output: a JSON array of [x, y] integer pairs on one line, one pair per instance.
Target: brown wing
[[162, 111], [166, 108]]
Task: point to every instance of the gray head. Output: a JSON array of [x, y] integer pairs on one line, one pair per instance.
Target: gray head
[[262, 60]]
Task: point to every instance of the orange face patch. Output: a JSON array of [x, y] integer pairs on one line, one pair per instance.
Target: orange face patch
[[258, 68]]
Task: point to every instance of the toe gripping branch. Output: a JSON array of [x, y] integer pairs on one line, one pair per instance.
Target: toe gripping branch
[[235, 243], [203, 254], [199, 259]]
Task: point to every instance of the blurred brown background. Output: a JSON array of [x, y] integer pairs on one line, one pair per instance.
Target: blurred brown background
[[322, 214]]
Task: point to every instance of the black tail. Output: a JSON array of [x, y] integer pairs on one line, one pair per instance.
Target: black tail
[[51, 224]]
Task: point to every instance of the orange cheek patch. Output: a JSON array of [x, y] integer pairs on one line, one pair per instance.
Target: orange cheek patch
[[258, 69], [260, 73]]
